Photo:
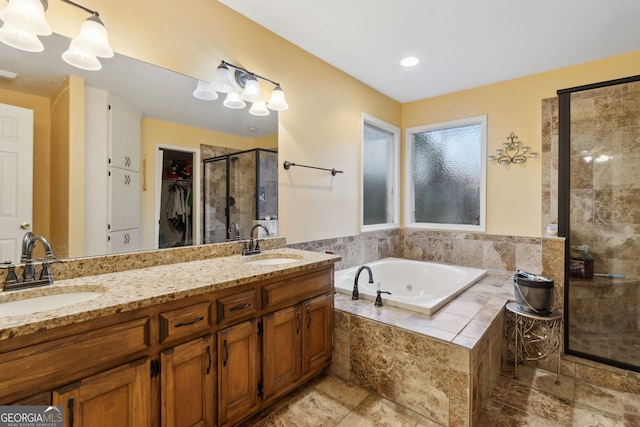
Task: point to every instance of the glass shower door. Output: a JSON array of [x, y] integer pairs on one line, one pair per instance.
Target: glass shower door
[[216, 225]]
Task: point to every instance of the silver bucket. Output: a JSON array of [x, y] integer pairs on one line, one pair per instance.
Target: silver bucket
[[534, 293]]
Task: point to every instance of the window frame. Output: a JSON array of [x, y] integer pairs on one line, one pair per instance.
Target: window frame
[[394, 198], [409, 199]]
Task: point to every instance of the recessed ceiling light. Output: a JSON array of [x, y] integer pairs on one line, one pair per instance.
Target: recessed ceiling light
[[252, 128], [409, 61]]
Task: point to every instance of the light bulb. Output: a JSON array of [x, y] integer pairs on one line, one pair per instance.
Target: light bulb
[[277, 101]]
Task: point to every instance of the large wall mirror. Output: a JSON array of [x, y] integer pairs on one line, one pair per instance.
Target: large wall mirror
[[599, 214], [36, 80]]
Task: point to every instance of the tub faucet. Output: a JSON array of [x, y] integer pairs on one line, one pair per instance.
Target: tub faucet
[[356, 293], [378, 302]]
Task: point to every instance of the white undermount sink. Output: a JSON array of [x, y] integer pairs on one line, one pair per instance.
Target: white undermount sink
[[33, 301], [273, 259]]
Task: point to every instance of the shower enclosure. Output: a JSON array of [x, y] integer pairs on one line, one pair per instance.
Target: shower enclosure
[[599, 207], [239, 188]]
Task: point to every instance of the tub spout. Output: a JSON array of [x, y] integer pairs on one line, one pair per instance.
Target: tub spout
[[356, 293]]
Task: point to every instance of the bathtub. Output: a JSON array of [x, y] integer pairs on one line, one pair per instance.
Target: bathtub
[[415, 285]]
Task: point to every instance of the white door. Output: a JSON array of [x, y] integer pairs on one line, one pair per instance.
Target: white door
[[16, 179]]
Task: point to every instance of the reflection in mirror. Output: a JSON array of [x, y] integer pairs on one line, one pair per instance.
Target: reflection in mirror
[[45, 84], [600, 158], [237, 188]]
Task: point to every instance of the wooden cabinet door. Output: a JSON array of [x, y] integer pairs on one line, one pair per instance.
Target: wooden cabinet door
[[238, 375], [282, 345], [115, 398], [317, 332], [187, 378]]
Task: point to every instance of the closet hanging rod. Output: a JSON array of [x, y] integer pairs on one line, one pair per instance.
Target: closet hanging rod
[[287, 164]]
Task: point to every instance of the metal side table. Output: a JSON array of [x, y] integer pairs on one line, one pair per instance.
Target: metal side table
[[536, 336]]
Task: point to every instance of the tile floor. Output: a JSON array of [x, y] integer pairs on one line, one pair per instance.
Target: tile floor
[[533, 399]]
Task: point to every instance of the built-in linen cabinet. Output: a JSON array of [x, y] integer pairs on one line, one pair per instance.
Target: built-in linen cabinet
[[112, 174], [206, 360]]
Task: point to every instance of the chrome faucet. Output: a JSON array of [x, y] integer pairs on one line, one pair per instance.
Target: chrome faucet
[[356, 293]]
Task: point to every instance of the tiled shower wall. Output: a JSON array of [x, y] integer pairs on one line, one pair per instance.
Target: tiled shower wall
[[605, 195], [604, 214]]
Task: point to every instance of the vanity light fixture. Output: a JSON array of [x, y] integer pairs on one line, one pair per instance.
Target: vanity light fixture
[[512, 152], [226, 82], [205, 91], [24, 21]]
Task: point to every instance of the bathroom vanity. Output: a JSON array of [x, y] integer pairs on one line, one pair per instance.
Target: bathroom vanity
[[199, 343]]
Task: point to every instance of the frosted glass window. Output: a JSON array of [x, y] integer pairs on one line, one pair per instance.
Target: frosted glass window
[[379, 175], [446, 175]]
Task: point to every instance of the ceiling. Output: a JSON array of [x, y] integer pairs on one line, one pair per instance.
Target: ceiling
[[461, 43]]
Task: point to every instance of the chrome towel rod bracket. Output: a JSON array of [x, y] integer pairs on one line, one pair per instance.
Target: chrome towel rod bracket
[[287, 164]]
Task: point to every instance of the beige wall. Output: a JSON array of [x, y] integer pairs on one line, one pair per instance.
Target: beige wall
[[513, 192], [322, 126]]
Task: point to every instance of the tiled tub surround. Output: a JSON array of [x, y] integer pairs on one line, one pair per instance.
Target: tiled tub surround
[[485, 251], [443, 367], [420, 286]]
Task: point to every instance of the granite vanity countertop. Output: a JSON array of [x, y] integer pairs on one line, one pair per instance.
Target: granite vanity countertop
[[133, 289]]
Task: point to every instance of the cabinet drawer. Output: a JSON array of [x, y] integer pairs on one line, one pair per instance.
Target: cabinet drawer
[[60, 361], [297, 289], [237, 306], [185, 321]]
